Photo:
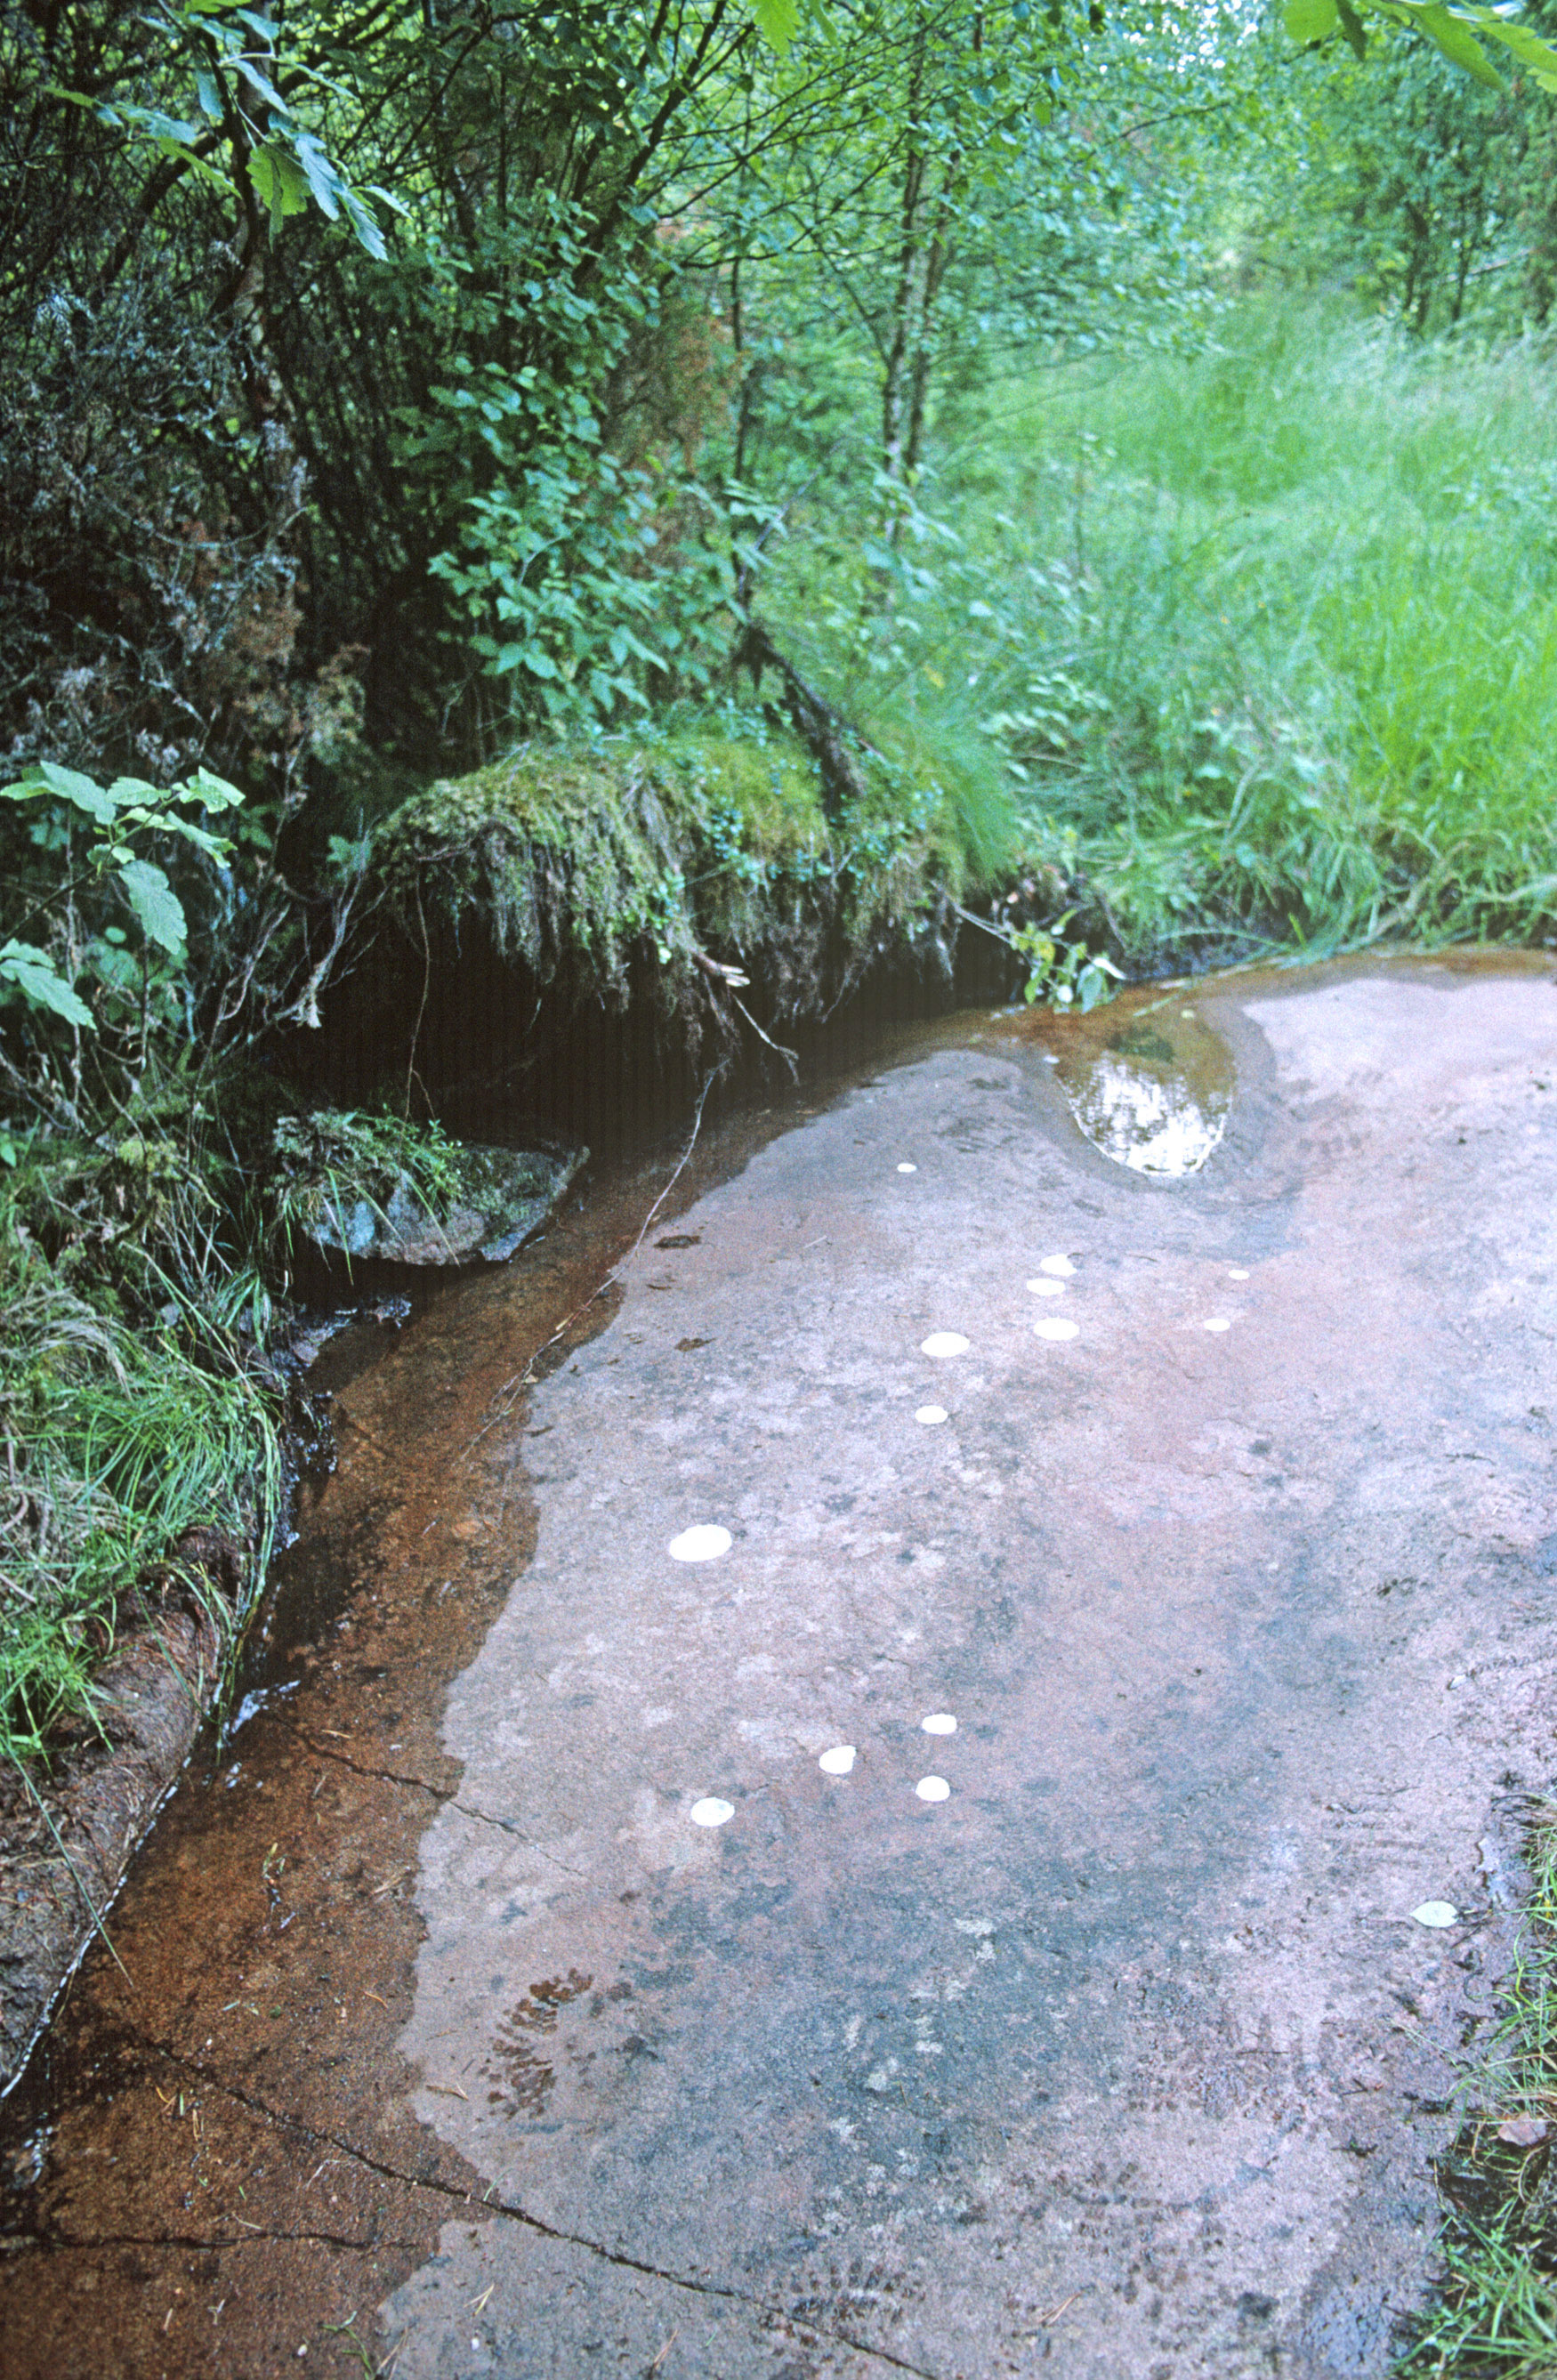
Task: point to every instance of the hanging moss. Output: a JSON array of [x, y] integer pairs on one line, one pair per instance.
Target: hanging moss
[[579, 860]]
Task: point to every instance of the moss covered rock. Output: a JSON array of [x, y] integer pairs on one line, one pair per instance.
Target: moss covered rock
[[583, 860]]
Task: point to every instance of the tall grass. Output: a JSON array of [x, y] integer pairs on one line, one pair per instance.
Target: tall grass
[[130, 1446], [1263, 640]]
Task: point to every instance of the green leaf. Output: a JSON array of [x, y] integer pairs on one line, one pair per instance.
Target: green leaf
[[778, 21], [46, 778], [364, 223], [40, 984], [322, 177], [280, 181], [156, 904], [1352, 26], [215, 792], [1310, 20], [1525, 44], [1458, 45]]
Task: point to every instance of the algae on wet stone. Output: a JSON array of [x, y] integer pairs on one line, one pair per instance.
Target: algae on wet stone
[[578, 858]]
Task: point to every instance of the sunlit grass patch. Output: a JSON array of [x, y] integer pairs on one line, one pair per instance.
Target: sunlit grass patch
[[1264, 639]]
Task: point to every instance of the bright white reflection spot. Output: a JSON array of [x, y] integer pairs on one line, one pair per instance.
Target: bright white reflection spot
[[931, 1416], [711, 1812], [1237, 1272], [1436, 1913], [907, 1169], [704, 1543], [839, 1761], [1047, 1288], [933, 1788], [1054, 1326], [1061, 1267], [1150, 1126], [944, 1342], [1218, 1322], [939, 1723]]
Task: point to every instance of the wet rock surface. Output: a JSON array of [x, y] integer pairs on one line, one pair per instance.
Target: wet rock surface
[[486, 2026]]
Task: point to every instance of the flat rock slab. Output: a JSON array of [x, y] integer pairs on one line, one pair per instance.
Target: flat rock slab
[[1126, 2056]]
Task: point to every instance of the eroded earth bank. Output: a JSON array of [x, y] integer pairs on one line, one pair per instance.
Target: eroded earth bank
[[446, 2027]]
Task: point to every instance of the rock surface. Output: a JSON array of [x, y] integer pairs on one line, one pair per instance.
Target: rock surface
[[1127, 2056], [506, 1196]]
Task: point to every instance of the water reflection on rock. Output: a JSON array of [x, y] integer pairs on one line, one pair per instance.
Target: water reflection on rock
[[1156, 1104]]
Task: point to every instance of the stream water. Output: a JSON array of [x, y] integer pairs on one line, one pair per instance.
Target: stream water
[[187, 2179]]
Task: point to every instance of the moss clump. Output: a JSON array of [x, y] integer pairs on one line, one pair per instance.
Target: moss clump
[[582, 860]]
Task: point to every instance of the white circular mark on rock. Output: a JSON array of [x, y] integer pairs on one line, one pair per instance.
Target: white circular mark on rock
[[1217, 1322], [1054, 1326], [931, 1416], [907, 1169], [1061, 1267], [711, 1812], [939, 1723], [1436, 1913], [933, 1788], [1046, 1287], [1237, 1272], [706, 1542], [944, 1342], [838, 1762]]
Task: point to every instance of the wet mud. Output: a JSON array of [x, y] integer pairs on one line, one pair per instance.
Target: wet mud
[[448, 2030]]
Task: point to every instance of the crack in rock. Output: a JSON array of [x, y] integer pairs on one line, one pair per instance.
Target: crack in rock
[[382, 1776], [465, 2200]]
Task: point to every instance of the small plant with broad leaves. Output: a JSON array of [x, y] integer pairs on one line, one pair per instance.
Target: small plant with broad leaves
[[1062, 972], [118, 822]]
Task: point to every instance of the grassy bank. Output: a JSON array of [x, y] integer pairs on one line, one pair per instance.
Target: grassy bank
[[1496, 2313], [1263, 640]]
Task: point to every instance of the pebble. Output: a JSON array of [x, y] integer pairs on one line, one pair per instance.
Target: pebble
[[706, 1542], [839, 1761], [939, 1723], [931, 1416], [944, 1342], [711, 1812], [933, 1788], [1054, 1326]]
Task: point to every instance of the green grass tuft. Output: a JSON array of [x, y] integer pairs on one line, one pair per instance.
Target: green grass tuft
[[1494, 2316]]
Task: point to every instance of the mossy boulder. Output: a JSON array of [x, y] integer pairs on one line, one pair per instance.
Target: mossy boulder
[[658, 853]]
